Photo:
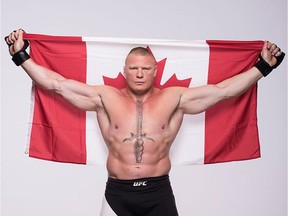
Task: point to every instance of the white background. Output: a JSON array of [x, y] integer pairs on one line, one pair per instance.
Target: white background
[[32, 187]]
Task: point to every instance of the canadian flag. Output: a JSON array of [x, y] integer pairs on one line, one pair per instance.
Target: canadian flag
[[226, 132]]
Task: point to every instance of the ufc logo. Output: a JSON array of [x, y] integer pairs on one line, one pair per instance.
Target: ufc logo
[[140, 183]]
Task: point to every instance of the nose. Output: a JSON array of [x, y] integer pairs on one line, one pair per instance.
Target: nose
[[139, 73]]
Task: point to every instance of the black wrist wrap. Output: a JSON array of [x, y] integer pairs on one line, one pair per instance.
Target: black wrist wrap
[[265, 68], [21, 56]]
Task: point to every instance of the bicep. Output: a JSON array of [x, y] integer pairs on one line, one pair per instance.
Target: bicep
[[198, 99], [80, 95]]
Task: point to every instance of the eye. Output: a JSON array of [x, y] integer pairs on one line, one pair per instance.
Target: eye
[[133, 68], [146, 68]]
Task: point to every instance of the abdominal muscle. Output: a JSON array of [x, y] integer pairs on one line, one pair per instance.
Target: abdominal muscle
[[122, 164], [138, 136]]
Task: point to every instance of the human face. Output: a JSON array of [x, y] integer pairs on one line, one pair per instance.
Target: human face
[[140, 71]]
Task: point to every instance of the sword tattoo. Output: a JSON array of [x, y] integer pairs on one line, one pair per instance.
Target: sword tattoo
[[138, 137]]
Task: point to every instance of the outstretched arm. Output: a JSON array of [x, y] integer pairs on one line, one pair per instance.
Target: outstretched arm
[[196, 100], [79, 94]]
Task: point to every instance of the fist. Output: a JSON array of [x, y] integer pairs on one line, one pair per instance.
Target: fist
[[269, 53], [15, 41]]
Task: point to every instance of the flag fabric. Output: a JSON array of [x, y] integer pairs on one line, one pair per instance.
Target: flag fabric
[[225, 132]]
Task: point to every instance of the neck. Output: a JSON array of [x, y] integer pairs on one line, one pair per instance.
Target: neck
[[143, 96]]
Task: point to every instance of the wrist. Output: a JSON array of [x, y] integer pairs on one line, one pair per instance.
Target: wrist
[[20, 57], [263, 66]]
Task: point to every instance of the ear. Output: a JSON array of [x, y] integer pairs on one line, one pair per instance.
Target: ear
[[124, 71], [155, 71]]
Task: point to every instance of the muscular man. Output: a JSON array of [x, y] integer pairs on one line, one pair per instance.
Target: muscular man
[[140, 130]]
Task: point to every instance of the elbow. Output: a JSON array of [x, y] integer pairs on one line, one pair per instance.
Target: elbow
[[54, 86]]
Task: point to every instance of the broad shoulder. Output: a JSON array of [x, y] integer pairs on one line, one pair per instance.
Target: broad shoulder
[[173, 91], [106, 91], [169, 96], [102, 95]]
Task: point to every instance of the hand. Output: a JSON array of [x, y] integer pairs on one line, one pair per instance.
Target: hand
[[15, 41], [269, 53]]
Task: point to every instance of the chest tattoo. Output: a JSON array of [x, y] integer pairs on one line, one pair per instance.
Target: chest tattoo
[[139, 137]]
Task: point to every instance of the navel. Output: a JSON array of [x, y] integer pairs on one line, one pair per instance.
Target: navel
[[163, 127], [116, 126]]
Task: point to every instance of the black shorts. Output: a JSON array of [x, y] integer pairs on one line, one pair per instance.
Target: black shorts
[[141, 197]]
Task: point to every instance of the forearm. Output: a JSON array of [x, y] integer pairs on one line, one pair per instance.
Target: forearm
[[270, 58], [239, 84], [43, 77], [78, 94]]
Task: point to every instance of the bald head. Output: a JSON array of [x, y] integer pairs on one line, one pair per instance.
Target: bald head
[[140, 51]]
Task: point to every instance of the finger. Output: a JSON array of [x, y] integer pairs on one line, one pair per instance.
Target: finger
[[12, 37], [9, 39], [273, 47], [279, 53], [265, 45], [275, 51], [16, 34], [6, 40], [269, 45]]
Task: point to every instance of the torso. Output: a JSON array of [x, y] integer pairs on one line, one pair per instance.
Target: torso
[[139, 135]]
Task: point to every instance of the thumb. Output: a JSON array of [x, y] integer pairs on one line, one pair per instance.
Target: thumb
[[19, 43], [20, 34], [265, 45]]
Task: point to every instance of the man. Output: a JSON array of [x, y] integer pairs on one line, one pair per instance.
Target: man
[[140, 130]]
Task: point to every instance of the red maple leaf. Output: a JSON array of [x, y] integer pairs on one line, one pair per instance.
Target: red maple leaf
[[120, 81]]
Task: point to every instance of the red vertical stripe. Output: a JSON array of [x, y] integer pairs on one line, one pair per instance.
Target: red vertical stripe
[[56, 122], [231, 131]]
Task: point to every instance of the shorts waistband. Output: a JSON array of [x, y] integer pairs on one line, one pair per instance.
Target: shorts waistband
[[137, 183]]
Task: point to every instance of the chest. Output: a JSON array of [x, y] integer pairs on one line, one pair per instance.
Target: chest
[[151, 115]]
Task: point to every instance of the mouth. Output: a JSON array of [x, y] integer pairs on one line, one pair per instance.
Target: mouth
[[139, 83]]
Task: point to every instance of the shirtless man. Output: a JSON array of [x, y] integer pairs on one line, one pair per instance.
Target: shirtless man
[[140, 130]]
